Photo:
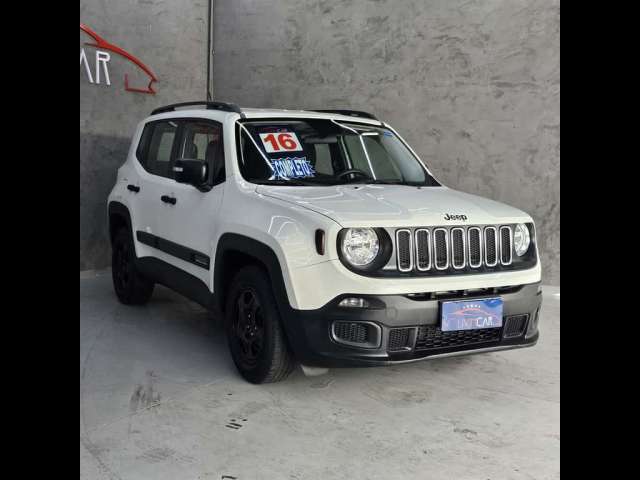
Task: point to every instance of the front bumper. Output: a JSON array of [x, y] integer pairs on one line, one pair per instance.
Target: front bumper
[[417, 319]]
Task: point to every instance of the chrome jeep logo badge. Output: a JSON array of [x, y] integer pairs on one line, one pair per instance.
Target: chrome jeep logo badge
[[448, 216]]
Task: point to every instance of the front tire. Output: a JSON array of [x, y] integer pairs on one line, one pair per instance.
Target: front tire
[[256, 339], [130, 286]]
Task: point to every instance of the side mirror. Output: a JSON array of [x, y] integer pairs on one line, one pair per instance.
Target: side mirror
[[192, 172]]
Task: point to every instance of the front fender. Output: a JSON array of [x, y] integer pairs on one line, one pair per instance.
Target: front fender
[[274, 229]]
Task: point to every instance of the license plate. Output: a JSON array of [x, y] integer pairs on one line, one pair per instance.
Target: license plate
[[471, 314]]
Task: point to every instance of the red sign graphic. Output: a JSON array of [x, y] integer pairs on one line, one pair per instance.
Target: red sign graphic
[[104, 45]]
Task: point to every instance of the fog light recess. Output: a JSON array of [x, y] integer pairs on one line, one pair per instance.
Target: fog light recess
[[356, 334]]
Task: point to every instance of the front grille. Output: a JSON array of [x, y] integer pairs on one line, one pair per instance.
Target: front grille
[[514, 325], [491, 246], [430, 337], [404, 249], [475, 247], [505, 245], [441, 248], [457, 248], [423, 249], [454, 248]]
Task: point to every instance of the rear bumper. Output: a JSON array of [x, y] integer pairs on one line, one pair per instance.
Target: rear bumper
[[314, 342]]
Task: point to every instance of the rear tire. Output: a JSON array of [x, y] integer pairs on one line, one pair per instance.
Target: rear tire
[[256, 339], [130, 286]]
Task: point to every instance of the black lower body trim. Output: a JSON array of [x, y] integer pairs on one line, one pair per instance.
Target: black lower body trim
[[409, 330], [182, 282], [179, 251]]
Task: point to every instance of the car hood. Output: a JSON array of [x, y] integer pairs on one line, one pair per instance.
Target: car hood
[[395, 205]]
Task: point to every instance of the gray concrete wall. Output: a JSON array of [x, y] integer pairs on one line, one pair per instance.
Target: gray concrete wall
[[474, 86], [168, 36]]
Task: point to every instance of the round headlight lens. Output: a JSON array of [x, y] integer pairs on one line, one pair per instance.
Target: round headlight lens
[[521, 239], [360, 246]]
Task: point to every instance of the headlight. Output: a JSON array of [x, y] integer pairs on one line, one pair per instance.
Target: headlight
[[360, 246], [521, 239]]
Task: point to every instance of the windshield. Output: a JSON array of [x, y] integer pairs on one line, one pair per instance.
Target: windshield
[[326, 152]]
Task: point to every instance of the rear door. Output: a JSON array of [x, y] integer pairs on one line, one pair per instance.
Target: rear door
[[156, 157]]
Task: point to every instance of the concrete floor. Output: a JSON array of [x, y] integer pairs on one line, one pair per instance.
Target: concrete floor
[[160, 399]]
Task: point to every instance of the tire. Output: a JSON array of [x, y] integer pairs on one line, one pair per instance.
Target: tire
[[130, 286], [256, 339]]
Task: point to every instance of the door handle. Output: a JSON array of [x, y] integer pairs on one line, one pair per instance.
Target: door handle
[[168, 199], [133, 188]]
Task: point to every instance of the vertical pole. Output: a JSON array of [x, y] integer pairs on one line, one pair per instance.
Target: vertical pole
[[210, 52]]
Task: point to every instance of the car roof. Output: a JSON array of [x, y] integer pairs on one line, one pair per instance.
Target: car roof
[[285, 113], [257, 113]]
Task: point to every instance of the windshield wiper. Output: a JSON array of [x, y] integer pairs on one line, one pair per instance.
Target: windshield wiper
[[293, 182], [370, 181], [387, 182]]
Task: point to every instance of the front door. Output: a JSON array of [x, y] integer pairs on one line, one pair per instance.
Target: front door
[[189, 222]]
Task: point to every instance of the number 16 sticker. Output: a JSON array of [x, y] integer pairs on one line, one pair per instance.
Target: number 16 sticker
[[280, 142]]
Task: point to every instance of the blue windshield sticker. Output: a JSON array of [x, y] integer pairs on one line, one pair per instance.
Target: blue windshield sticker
[[292, 167], [387, 133]]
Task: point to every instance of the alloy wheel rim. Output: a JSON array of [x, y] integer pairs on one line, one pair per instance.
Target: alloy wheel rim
[[248, 326]]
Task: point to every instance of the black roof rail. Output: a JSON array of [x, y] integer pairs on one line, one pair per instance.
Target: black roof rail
[[223, 106], [350, 113]]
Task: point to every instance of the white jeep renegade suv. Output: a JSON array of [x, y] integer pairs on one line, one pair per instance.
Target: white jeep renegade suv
[[320, 237]]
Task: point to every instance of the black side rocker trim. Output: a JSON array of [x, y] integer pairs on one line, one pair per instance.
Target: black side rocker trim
[[182, 282], [187, 254]]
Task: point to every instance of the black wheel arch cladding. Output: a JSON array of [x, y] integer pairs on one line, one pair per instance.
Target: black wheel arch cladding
[[118, 215], [255, 252]]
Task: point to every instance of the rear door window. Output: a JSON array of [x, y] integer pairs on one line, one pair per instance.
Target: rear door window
[[160, 150], [143, 144]]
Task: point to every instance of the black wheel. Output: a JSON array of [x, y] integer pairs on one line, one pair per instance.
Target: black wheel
[[256, 339], [131, 287]]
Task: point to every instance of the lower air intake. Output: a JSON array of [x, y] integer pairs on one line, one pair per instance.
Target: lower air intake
[[357, 334], [432, 338], [514, 325], [399, 339]]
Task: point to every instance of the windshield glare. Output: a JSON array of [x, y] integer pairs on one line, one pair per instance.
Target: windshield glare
[[326, 152]]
